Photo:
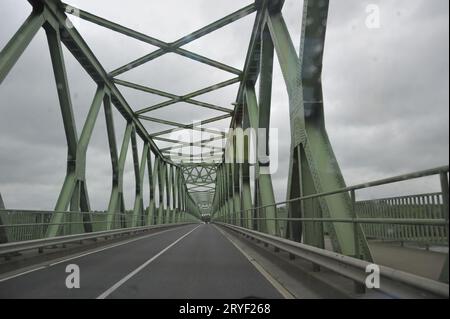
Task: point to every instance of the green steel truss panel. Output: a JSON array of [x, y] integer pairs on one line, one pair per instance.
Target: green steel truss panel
[[313, 167], [196, 186]]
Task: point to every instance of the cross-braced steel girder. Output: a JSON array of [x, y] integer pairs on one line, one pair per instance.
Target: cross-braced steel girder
[[182, 183], [313, 166]]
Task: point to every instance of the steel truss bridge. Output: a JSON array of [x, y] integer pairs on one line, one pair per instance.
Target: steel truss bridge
[[320, 230]]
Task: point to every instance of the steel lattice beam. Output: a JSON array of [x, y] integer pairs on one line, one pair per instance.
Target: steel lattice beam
[[164, 47]]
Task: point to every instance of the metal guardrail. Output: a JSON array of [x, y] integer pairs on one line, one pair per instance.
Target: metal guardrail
[[422, 216], [418, 218], [16, 247], [393, 282], [423, 206], [22, 225]]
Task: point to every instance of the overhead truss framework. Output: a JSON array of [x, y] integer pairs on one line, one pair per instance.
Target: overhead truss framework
[[176, 48], [211, 182]]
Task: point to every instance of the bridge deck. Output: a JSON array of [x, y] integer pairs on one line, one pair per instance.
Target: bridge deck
[[204, 264]]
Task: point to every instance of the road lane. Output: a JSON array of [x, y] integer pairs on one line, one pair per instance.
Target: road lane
[[203, 265], [99, 271]]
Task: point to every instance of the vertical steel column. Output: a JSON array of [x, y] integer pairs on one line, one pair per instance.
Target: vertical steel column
[[253, 118], [138, 209], [113, 153], [74, 191], [82, 201], [116, 202], [264, 194], [247, 205], [151, 182], [162, 187], [216, 208], [445, 207], [177, 194], [171, 188], [3, 233], [153, 213], [59, 70], [181, 196], [222, 193], [184, 197], [168, 194], [230, 192], [236, 178]]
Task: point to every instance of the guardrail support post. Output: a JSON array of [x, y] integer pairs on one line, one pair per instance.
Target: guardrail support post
[[3, 233], [355, 224], [445, 207]]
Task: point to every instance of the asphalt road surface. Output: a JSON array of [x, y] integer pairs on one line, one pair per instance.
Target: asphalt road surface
[[193, 261]]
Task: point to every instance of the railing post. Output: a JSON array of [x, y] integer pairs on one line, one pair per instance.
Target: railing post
[[355, 223], [359, 288], [445, 206], [3, 232]]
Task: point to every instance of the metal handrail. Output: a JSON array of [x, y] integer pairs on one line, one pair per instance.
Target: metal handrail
[[29, 211], [391, 180], [393, 221], [393, 282]]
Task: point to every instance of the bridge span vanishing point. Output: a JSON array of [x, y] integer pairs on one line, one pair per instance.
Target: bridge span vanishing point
[[206, 220]]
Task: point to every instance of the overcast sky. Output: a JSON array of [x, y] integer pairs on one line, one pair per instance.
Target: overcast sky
[[385, 91]]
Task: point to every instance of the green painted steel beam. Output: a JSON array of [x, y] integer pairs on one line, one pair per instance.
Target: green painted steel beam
[[145, 89], [265, 185], [317, 170], [189, 101], [208, 166], [3, 233], [179, 125], [162, 194], [204, 161], [251, 66], [189, 155], [212, 88], [207, 61], [152, 217], [74, 190], [175, 98], [138, 210], [63, 90], [81, 51], [116, 204], [193, 125], [187, 39], [145, 38], [201, 143], [112, 26], [236, 183], [20, 41], [111, 138], [201, 187], [241, 13], [86, 133], [161, 121], [445, 212]]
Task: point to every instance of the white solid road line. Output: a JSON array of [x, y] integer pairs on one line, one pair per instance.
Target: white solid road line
[[280, 288], [85, 254], [22, 273], [134, 272]]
